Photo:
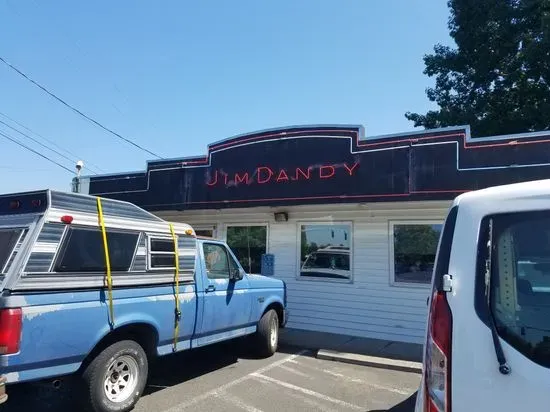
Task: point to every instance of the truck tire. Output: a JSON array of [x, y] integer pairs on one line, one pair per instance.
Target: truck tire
[[267, 335], [115, 379]]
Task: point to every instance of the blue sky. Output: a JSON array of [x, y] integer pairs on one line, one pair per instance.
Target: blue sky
[[176, 75]]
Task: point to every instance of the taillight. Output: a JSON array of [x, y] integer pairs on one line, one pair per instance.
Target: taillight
[[438, 355], [10, 330]]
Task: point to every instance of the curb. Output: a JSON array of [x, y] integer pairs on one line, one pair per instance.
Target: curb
[[373, 361]]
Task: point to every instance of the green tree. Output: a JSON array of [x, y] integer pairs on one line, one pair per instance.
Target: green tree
[[497, 78]]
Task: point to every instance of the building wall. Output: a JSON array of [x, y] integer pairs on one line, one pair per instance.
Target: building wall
[[369, 306]]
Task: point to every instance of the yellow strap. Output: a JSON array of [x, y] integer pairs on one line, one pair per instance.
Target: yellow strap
[[177, 287], [107, 260]]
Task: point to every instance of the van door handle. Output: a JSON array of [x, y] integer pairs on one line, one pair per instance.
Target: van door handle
[[210, 288]]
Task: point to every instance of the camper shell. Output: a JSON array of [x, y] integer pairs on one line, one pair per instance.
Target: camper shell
[[33, 225]]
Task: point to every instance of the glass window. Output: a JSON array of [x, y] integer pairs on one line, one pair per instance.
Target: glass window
[[325, 251], [520, 282], [82, 251], [216, 260], [162, 255], [205, 231], [8, 240], [414, 249], [248, 243]]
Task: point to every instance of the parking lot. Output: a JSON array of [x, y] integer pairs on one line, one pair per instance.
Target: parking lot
[[222, 378]]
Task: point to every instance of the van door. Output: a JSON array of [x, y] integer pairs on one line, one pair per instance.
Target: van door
[[501, 337], [227, 303]]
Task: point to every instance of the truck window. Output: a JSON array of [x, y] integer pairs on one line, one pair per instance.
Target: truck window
[[216, 260], [520, 282], [8, 240], [82, 251], [162, 253]]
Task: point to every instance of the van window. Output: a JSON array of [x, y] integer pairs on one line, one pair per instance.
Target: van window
[[82, 251], [520, 282], [8, 240]]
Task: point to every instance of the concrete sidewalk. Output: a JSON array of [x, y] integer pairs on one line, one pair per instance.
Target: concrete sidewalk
[[351, 349]]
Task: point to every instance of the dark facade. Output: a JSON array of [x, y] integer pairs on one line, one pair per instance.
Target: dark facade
[[331, 164]]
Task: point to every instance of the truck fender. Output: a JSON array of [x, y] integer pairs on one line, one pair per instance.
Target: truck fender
[[273, 302], [140, 327]]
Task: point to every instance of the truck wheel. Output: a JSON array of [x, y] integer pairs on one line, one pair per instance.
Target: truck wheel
[[115, 379], [268, 333]]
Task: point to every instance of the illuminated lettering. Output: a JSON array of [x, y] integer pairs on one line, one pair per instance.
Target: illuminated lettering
[[282, 176], [262, 179], [266, 174], [214, 180], [299, 172], [351, 169], [324, 175], [241, 179]]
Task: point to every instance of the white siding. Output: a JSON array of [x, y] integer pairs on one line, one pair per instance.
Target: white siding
[[370, 306]]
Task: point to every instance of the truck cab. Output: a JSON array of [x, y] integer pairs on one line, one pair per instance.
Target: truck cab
[[97, 288], [487, 344]]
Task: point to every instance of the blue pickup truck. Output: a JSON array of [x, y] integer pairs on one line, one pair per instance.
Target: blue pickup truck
[[98, 288]]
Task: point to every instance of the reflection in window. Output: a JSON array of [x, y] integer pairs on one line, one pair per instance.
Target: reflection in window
[[248, 243], [216, 260], [325, 251], [520, 282], [414, 250]]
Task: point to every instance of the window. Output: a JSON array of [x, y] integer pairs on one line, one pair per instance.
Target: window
[[216, 260], [413, 246], [248, 243], [205, 231], [161, 252], [8, 240], [325, 251], [520, 282], [82, 251]]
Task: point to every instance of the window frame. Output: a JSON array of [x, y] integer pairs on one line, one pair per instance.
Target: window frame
[[248, 224], [23, 231], [150, 253], [228, 254], [391, 249], [212, 227], [64, 239], [299, 225]]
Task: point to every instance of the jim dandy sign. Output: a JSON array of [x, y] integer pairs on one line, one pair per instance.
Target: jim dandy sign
[[270, 175]]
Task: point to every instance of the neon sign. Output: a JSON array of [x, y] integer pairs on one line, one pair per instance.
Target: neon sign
[[265, 174]]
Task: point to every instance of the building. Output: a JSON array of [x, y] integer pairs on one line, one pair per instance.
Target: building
[[352, 223]]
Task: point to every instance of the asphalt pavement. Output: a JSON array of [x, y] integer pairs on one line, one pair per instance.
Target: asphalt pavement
[[224, 378]]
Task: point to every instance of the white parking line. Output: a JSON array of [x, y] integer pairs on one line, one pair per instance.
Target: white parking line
[[355, 380], [362, 382], [239, 403], [294, 371], [217, 391], [307, 391]]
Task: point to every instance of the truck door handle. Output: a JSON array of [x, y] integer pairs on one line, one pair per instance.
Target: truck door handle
[[210, 288]]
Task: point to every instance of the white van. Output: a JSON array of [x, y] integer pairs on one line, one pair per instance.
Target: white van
[[487, 344]]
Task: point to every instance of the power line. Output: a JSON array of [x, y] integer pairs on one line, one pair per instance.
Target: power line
[[75, 109], [36, 141], [75, 156], [35, 152]]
